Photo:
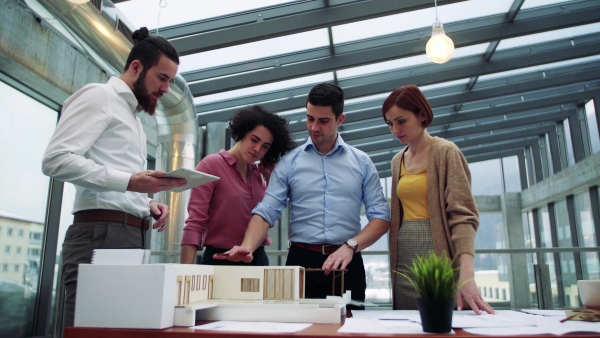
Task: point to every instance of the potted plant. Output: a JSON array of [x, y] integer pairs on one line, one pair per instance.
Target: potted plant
[[435, 282]]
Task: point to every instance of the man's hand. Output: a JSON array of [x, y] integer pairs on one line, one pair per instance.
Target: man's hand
[[236, 254], [339, 259], [160, 213], [153, 181]]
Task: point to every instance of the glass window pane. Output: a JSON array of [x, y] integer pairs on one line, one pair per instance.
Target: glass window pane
[[486, 177], [548, 36], [537, 3], [152, 14], [491, 270], [255, 50], [549, 154], [567, 259], [547, 261], [512, 175], [563, 229], [377, 269], [544, 224], [255, 90], [569, 142], [586, 235], [27, 128], [493, 284], [531, 258], [418, 19], [592, 120]]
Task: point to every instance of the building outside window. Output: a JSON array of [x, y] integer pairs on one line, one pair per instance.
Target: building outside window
[[23, 201]]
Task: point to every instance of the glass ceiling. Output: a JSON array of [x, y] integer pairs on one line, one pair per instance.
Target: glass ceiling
[[478, 63]]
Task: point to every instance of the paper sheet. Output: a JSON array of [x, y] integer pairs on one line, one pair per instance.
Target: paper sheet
[[506, 318], [550, 327], [503, 323], [558, 313], [363, 325], [256, 327], [411, 315]]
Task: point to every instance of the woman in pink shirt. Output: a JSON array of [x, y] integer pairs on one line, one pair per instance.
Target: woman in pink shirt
[[219, 211]]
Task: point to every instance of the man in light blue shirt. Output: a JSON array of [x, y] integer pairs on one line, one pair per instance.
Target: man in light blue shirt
[[327, 182]]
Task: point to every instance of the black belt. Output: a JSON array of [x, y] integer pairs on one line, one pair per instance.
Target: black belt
[[325, 249], [102, 215]]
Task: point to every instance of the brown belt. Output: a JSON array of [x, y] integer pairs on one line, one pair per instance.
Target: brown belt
[[325, 249], [101, 215]]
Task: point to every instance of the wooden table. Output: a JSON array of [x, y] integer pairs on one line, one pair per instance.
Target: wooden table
[[315, 331]]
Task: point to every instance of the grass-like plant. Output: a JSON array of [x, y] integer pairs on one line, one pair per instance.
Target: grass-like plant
[[433, 276]]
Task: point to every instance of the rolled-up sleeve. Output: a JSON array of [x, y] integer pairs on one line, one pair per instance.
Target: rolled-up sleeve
[[376, 206], [276, 196]]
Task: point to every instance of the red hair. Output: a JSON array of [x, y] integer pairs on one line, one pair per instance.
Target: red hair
[[410, 98]]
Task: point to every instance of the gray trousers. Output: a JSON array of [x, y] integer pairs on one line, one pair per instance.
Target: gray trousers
[[80, 241]]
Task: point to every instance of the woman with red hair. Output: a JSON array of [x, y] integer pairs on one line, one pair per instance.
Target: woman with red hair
[[433, 208]]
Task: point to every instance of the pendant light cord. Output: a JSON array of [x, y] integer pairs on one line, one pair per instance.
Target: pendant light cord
[[435, 5], [161, 4]]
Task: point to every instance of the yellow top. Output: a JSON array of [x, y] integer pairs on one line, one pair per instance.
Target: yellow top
[[412, 193]]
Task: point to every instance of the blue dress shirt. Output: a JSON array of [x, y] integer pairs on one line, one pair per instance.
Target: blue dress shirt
[[326, 193]]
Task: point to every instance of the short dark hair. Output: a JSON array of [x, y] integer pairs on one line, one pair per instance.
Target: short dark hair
[[411, 98], [249, 118], [327, 95], [148, 49]]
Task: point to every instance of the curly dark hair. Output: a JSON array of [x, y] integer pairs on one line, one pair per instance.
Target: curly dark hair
[[249, 118]]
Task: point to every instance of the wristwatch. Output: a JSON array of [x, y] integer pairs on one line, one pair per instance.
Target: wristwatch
[[352, 243]]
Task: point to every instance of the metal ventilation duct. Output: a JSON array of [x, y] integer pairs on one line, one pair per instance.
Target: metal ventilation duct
[[97, 33]]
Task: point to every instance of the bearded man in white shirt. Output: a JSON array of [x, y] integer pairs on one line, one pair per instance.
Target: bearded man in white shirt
[[99, 145]]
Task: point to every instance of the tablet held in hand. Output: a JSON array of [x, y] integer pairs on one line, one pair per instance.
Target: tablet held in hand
[[193, 177]]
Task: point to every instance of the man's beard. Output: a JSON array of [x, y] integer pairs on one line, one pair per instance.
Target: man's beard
[[145, 99]]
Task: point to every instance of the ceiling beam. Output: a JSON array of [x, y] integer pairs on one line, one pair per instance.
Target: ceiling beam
[[475, 127], [459, 68], [444, 96], [472, 32], [504, 111], [261, 27], [519, 93], [497, 138]]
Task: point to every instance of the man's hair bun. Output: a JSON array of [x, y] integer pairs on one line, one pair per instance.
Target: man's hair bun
[[140, 34]]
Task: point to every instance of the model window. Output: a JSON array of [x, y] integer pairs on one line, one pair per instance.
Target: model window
[[250, 284]]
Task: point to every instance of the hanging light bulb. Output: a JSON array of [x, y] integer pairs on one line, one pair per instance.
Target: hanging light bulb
[[79, 2], [439, 48]]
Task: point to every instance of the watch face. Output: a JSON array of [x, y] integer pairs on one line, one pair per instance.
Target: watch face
[[352, 242]]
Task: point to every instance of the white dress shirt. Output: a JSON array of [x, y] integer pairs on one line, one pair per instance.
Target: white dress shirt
[[98, 144]]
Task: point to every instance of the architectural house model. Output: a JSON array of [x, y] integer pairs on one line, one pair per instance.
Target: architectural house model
[[164, 295]]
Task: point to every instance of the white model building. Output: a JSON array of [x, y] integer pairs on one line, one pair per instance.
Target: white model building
[[163, 295]]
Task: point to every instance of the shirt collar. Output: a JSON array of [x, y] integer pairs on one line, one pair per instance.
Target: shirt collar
[[123, 89], [227, 156], [231, 160], [339, 144]]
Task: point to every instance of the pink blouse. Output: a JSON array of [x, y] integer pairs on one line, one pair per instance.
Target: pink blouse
[[219, 211]]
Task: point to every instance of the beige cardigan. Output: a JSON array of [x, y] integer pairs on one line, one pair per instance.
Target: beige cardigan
[[453, 213]]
